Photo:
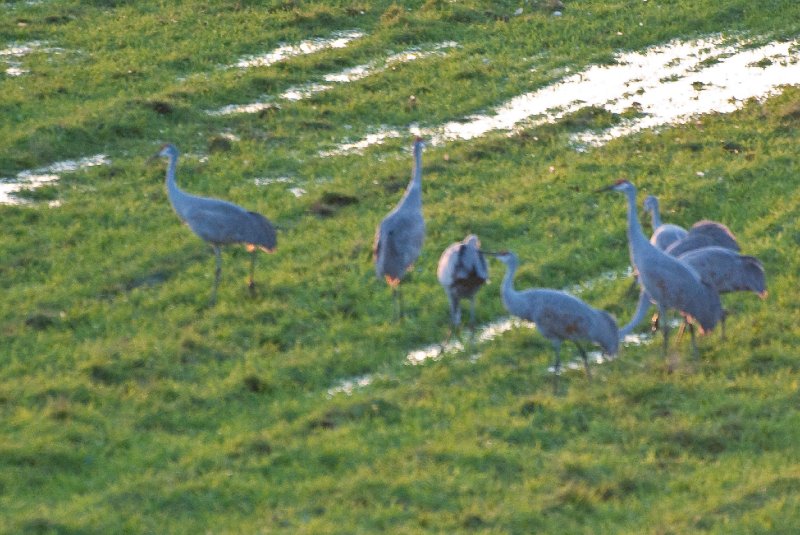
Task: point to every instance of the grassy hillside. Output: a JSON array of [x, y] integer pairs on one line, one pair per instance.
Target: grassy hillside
[[128, 405]]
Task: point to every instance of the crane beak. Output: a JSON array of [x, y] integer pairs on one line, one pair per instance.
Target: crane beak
[[607, 188]]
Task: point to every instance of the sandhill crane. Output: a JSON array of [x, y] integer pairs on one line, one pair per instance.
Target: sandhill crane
[[558, 315], [670, 283], [724, 269], [218, 222], [704, 233], [462, 271], [728, 271], [664, 234], [399, 237], [676, 241]]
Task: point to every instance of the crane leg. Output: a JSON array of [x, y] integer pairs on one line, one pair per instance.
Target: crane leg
[[654, 322], [472, 318], [217, 273], [398, 302], [556, 366], [585, 358], [722, 322], [662, 312], [681, 330], [455, 320], [251, 284], [695, 353]]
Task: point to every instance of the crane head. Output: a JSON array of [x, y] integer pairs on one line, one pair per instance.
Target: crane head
[[650, 203], [473, 240], [503, 256], [167, 150], [620, 185]]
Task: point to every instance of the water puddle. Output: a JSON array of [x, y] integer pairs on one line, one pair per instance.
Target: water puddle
[[594, 357], [304, 91], [667, 84], [37, 178], [637, 339], [350, 74], [294, 190], [348, 386], [19, 50], [253, 107], [310, 46], [16, 69], [421, 52], [716, 79], [275, 180], [371, 139], [607, 276], [13, 54], [483, 333]]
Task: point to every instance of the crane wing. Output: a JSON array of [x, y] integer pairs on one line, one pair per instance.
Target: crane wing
[[398, 242]]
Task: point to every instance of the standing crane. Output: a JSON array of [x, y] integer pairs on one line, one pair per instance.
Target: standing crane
[[462, 271], [399, 237], [558, 315], [218, 222], [724, 269], [703, 234], [670, 283], [664, 234]]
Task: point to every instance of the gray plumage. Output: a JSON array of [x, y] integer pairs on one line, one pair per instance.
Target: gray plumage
[[724, 269], [670, 283], [399, 237], [462, 270], [558, 315], [728, 271], [704, 233], [216, 221], [664, 234]]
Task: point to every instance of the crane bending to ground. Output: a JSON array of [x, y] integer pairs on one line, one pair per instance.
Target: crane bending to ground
[[218, 222], [462, 270], [558, 315], [399, 237], [670, 283]]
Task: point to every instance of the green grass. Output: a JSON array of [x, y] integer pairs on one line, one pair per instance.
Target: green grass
[[126, 405]]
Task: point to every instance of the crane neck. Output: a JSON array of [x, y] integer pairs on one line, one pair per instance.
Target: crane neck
[[636, 235], [413, 192], [172, 165], [175, 194], [509, 294], [655, 215]]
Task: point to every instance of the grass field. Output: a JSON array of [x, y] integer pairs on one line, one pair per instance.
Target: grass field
[[129, 406]]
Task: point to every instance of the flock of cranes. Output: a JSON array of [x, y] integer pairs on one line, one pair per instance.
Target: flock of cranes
[[676, 269]]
